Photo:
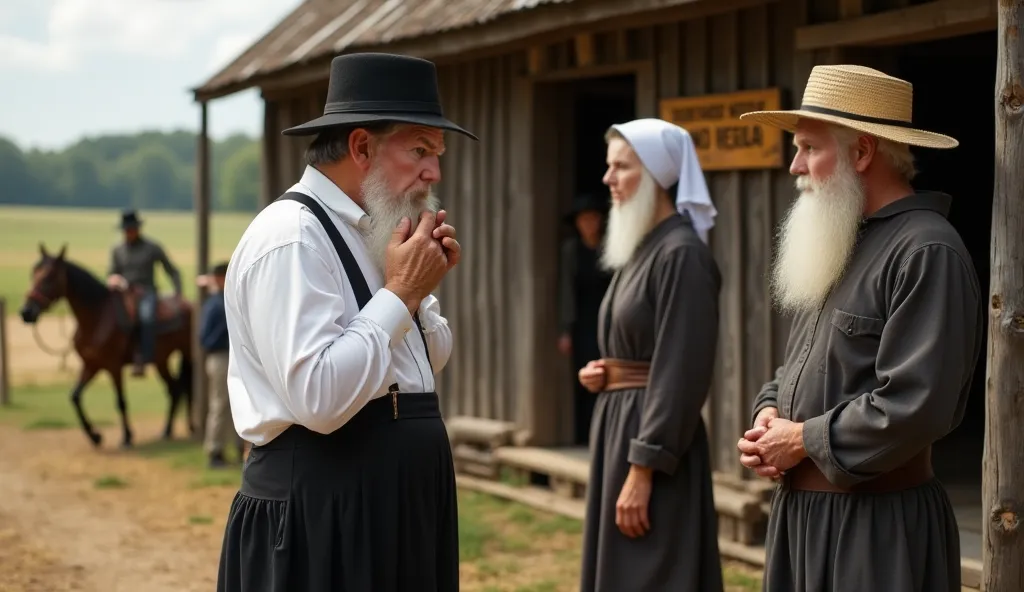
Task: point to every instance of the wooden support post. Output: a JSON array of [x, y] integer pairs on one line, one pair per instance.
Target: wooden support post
[[5, 358], [202, 212], [1003, 466]]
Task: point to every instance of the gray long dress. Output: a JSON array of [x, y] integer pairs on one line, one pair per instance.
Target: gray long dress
[[662, 307], [877, 375]]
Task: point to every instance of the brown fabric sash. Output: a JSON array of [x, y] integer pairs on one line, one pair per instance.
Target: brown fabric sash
[[917, 471], [625, 374]]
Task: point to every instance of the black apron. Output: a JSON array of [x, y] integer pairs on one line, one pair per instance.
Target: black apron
[[370, 507]]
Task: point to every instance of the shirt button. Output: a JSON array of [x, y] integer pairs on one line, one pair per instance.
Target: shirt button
[[849, 331]]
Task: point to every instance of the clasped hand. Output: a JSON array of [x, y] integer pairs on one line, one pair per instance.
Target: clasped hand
[[592, 376], [773, 445], [416, 262]]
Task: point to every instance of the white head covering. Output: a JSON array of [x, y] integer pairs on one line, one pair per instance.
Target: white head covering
[[667, 152]]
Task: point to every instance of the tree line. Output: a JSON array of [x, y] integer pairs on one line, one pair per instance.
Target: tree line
[[148, 170]]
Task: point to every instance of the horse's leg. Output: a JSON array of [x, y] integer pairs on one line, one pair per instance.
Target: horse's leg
[[84, 377], [172, 393], [117, 376]]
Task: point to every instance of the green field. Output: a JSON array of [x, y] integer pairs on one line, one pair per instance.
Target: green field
[[90, 234]]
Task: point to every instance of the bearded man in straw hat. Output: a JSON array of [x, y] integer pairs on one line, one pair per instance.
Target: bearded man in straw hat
[[651, 522], [886, 333], [335, 341]]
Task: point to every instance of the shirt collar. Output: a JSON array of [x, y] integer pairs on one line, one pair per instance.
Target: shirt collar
[[921, 200], [334, 198]]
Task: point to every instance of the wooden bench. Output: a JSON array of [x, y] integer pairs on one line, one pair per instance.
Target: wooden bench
[[473, 441], [739, 503], [567, 475]]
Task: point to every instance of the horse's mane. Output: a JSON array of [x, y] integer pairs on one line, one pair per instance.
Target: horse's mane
[[86, 287]]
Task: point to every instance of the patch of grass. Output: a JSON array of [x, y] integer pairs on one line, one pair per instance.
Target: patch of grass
[[200, 520], [737, 579], [48, 423], [189, 455], [49, 406], [545, 586], [474, 535], [109, 482], [91, 233]]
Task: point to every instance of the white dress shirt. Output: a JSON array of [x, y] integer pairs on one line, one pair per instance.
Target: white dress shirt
[[301, 350]]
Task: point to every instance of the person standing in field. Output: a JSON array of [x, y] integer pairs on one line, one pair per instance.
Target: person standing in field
[[213, 338]]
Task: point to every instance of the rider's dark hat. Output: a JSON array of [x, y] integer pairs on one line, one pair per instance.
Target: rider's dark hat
[[130, 219], [368, 88]]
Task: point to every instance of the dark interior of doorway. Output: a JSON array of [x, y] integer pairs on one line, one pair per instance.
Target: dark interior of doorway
[[954, 89], [597, 103]]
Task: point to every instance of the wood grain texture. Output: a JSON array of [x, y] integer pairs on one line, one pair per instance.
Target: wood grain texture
[[1002, 478]]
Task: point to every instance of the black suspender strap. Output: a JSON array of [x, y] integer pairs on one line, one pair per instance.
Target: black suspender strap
[[348, 261]]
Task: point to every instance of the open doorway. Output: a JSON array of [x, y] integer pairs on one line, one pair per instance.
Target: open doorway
[[954, 81], [597, 103]]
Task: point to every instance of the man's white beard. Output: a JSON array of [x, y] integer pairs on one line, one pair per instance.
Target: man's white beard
[[629, 221], [386, 209], [817, 238]]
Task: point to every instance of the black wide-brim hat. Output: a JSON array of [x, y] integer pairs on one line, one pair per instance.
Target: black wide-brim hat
[[585, 202], [368, 88], [130, 219]]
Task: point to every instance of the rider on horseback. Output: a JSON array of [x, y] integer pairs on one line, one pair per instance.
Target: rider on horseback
[[131, 268]]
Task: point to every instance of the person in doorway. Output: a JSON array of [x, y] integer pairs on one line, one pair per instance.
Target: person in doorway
[[213, 338], [583, 282], [335, 342], [651, 521], [131, 269], [887, 329]]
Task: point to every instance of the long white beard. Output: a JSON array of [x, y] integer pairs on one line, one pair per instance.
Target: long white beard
[[629, 221], [817, 238], [385, 209]]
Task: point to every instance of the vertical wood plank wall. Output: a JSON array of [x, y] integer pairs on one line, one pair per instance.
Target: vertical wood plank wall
[[497, 299]]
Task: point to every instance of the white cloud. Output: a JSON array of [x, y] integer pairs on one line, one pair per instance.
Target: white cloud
[[154, 29]]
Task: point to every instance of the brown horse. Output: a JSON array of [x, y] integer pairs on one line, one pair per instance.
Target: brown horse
[[105, 337]]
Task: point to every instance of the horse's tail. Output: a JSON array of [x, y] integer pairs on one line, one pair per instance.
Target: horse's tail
[[185, 377]]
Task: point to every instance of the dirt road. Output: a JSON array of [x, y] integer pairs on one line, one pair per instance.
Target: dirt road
[[89, 520]]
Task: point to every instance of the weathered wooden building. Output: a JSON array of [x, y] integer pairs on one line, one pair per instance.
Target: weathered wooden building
[[539, 81]]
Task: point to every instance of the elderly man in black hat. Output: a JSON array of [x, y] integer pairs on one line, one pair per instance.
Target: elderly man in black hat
[[583, 282], [131, 268], [335, 341]]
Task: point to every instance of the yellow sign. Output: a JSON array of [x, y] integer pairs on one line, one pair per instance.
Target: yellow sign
[[724, 142]]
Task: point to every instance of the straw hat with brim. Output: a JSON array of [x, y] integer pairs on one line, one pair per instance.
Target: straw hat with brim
[[859, 98]]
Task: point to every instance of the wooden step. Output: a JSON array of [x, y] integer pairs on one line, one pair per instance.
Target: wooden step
[[545, 462], [491, 433]]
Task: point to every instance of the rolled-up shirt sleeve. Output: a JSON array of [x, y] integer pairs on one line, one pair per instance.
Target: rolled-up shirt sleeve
[[437, 333], [768, 397], [926, 354], [685, 291], [325, 372]]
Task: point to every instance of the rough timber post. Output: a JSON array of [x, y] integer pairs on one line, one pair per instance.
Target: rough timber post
[[202, 209], [1003, 467]]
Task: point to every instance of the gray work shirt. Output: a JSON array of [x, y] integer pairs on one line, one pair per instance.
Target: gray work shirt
[[884, 368], [135, 261]]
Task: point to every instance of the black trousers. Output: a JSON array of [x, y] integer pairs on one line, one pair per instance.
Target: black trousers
[[369, 508]]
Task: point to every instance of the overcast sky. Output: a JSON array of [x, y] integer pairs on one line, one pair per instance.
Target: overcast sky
[[72, 68]]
